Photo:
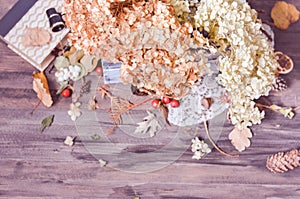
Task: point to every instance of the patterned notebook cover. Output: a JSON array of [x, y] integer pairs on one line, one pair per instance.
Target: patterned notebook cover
[[33, 14]]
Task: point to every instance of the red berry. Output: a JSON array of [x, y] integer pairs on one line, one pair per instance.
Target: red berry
[[166, 100], [174, 103], [66, 93], [155, 103], [99, 70]]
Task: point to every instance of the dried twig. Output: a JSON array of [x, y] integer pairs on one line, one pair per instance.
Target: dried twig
[[296, 108], [35, 107], [213, 143]]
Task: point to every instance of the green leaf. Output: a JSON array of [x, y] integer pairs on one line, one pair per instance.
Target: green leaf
[[46, 122], [61, 62], [95, 137], [62, 87], [89, 62]]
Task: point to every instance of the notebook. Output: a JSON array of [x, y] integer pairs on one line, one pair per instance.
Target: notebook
[[31, 14]]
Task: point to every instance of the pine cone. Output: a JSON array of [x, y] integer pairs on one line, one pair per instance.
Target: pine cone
[[279, 85], [283, 161]]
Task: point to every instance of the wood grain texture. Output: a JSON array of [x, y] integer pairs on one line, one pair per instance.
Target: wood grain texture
[[34, 165]]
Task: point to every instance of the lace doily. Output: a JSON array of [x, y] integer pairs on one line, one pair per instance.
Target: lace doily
[[191, 111]]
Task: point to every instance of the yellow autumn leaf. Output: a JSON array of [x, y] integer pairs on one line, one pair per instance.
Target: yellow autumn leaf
[[283, 14], [240, 138], [287, 112], [40, 86]]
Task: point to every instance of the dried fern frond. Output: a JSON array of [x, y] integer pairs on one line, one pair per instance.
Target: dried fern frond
[[283, 161], [119, 105]]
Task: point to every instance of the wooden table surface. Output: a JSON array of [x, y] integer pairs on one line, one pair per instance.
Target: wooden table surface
[[35, 165]]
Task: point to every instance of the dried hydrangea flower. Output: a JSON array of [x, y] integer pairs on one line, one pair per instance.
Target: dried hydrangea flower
[[153, 46], [247, 65]]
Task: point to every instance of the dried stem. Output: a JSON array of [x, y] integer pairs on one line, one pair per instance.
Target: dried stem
[[111, 130], [296, 108], [105, 91], [140, 103], [269, 23], [213, 143], [35, 107]]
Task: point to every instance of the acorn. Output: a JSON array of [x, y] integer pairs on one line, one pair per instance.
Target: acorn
[[206, 102]]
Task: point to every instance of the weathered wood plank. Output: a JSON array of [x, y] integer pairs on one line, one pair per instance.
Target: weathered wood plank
[[35, 165]]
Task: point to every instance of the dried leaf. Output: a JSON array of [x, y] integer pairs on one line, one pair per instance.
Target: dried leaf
[[35, 37], [69, 141], [95, 137], [240, 138], [116, 117], [287, 112], [165, 112], [40, 86], [149, 125], [46, 122], [283, 14], [119, 105]]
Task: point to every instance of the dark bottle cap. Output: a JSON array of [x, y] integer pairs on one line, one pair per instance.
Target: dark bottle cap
[[51, 11]]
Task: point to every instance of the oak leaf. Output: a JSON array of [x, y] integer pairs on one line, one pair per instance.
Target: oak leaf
[[35, 37], [149, 125], [40, 86], [240, 138], [283, 14]]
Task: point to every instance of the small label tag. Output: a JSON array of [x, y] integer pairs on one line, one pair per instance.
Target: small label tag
[[111, 72]]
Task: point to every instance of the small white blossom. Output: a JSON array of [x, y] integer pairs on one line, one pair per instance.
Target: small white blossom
[[200, 148], [74, 111], [69, 141]]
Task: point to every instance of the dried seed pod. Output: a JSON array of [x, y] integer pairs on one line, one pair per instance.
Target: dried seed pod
[[283, 161], [285, 62]]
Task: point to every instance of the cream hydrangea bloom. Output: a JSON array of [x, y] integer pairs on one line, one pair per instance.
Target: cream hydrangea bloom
[[248, 64]]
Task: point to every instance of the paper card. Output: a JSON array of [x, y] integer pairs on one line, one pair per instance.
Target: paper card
[[111, 72]]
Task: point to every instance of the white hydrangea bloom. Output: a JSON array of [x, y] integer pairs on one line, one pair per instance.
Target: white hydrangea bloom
[[62, 75], [74, 72], [199, 148], [248, 69]]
